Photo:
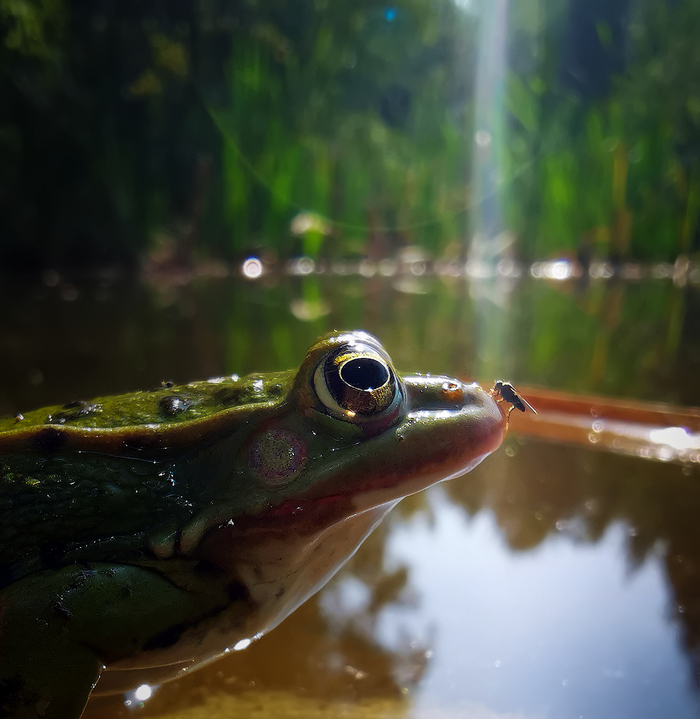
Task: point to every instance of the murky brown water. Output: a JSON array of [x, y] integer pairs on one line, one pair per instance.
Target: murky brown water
[[553, 581]]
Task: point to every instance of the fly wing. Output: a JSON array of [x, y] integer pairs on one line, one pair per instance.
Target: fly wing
[[527, 404]]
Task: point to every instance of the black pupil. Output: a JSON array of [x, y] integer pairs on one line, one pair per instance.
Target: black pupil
[[364, 373]]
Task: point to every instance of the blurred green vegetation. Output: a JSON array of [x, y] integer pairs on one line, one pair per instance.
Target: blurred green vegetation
[[200, 129], [207, 126], [616, 176], [360, 116]]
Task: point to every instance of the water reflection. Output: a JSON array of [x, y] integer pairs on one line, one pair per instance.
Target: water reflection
[[560, 631], [617, 338], [537, 491]]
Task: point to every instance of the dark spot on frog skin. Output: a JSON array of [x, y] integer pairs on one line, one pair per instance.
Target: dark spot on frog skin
[[258, 392], [172, 405], [230, 396], [167, 384], [49, 439], [274, 390], [80, 409], [62, 611], [90, 409], [82, 577]]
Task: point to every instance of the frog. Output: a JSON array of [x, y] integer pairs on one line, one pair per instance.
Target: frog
[[145, 535]]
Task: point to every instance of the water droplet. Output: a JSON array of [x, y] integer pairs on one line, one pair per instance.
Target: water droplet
[[143, 693], [665, 454], [136, 698]]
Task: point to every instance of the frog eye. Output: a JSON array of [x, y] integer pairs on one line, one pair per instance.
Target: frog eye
[[357, 383]]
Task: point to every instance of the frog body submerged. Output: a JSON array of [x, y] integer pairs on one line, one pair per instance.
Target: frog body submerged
[[149, 533]]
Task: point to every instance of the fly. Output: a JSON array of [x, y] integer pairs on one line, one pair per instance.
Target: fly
[[505, 392]]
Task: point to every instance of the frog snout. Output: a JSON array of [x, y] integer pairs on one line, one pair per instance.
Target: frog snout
[[427, 393], [455, 423]]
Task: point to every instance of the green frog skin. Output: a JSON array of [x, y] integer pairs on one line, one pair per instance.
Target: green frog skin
[[147, 534]]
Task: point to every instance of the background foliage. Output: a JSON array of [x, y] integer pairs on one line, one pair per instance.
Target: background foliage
[[201, 129]]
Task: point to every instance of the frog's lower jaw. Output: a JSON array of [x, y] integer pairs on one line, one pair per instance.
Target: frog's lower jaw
[[282, 572], [279, 573]]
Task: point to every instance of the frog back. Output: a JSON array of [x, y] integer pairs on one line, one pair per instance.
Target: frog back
[[95, 480]]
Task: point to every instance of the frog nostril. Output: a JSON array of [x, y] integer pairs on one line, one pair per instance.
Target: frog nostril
[[364, 373], [452, 391]]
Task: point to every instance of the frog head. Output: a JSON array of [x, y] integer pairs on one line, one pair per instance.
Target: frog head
[[317, 472]]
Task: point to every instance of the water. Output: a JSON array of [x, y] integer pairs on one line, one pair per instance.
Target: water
[[552, 581], [632, 339], [562, 630]]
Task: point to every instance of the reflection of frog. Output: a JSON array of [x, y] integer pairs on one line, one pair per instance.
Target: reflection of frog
[[154, 531]]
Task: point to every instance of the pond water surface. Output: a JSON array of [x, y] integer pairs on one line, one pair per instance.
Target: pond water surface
[[552, 581]]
